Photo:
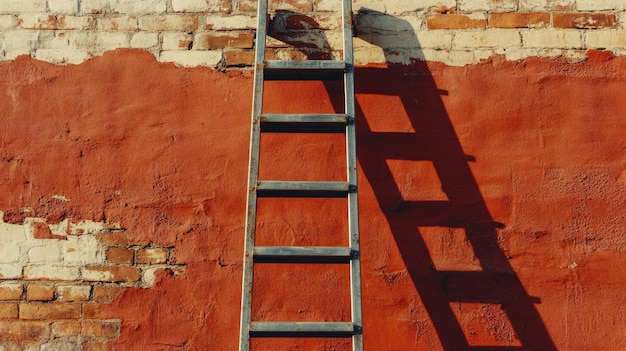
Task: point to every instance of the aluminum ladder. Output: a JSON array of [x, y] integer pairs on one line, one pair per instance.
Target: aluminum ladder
[[294, 123]]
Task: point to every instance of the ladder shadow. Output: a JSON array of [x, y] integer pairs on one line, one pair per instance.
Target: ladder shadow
[[433, 140]]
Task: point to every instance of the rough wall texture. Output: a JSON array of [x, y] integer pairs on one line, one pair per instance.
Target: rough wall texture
[[492, 192]]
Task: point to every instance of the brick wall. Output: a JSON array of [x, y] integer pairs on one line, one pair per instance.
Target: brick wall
[[54, 278], [220, 33]]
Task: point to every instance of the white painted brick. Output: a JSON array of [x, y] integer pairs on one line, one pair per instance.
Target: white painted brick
[[221, 22], [11, 271], [380, 23], [96, 42], [551, 38], [144, 40], [424, 39], [545, 5], [45, 21], [68, 7], [13, 287], [50, 252], [58, 41], [396, 7], [487, 39], [189, 5], [118, 23], [62, 56], [7, 22], [522, 53], [137, 7], [372, 5], [484, 5], [94, 6], [83, 250], [22, 6], [49, 272], [176, 41], [606, 39], [73, 292], [191, 58], [59, 346], [596, 5]]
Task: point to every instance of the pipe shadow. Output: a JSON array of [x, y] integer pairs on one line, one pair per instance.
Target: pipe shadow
[[433, 140]]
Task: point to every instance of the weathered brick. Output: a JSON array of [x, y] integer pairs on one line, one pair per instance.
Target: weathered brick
[[35, 310], [120, 255], [70, 293], [10, 291], [105, 294], [39, 292], [584, 20], [117, 23], [190, 5], [191, 58], [606, 39], [142, 40], [85, 250], [23, 331], [239, 57], [111, 273], [94, 311], [11, 271], [45, 272], [221, 22], [552, 38], [60, 346], [68, 7], [66, 328], [101, 329], [43, 21], [455, 21], [221, 40], [136, 7], [8, 310], [490, 5], [177, 41], [94, 6], [396, 7], [519, 20], [546, 5], [599, 5], [113, 239], [22, 6], [291, 5], [168, 22], [96, 346], [151, 256], [486, 39]]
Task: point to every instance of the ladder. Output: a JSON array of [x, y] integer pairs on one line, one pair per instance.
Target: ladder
[[294, 123]]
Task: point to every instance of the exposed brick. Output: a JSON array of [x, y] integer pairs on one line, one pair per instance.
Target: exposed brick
[[101, 329], [22, 6], [23, 331], [66, 328], [96, 346], [177, 41], [120, 255], [105, 294], [168, 22], [8, 310], [224, 6], [113, 239], [221, 22], [39, 292], [220, 40], [10, 291], [518, 20], [111, 273], [151, 256], [94, 311], [455, 21], [70, 293], [45, 272], [42, 21], [239, 57], [552, 38], [44, 311], [117, 23], [191, 58], [584, 20]]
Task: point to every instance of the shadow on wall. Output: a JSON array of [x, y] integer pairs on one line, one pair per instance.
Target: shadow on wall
[[464, 211]]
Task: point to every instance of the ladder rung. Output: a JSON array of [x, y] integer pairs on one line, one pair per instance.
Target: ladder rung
[[302, 189], [304, 123], [304, 69], [308, 254], [299, 329]]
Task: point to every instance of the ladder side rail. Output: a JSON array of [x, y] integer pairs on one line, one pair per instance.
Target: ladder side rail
[[351, 160], [253, 172]]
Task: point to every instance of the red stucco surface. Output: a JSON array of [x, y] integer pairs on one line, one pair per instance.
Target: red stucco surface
[[492, 196]]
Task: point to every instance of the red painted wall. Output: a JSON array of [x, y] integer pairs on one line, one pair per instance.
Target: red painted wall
[[492, 196]]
